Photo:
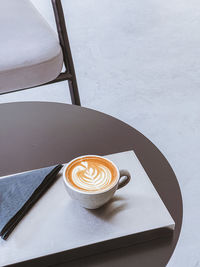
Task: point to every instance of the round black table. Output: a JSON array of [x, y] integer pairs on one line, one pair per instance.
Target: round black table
[[39, 134]]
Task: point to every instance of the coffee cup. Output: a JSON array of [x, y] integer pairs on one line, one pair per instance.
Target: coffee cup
[[92, 180]]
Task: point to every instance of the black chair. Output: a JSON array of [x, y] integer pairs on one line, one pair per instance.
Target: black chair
[[20, 72]]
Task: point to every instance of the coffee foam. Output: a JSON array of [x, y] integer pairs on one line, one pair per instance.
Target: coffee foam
[[91, 174]]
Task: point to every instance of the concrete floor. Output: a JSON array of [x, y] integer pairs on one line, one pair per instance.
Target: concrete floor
[[140, 62]]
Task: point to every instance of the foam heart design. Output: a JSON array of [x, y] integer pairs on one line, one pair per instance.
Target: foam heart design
[[91, 175]]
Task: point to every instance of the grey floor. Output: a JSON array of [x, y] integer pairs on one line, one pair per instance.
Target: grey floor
[[140, 62]]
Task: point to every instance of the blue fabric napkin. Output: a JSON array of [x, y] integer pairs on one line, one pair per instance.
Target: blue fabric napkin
[[19, 192]]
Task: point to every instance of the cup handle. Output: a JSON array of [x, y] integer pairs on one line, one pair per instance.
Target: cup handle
[[124, 179]]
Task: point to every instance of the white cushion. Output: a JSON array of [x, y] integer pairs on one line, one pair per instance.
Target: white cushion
[[30, 53]]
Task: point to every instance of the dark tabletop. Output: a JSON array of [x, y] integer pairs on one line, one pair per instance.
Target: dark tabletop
[[39, 134]]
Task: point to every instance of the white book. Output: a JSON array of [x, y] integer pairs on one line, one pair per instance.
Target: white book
[[57, 224]]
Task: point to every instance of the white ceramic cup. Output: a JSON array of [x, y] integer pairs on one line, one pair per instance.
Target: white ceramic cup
[[94, 200]]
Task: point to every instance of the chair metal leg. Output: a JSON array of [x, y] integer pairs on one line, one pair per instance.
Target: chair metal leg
[[74, 92], [67, 56]]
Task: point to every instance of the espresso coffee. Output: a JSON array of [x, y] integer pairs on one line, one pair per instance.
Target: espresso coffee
[[91, 174]]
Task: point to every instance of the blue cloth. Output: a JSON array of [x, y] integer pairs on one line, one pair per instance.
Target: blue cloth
[[15, 190]]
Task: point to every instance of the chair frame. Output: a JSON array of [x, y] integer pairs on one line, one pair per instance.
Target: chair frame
[[69, 73]]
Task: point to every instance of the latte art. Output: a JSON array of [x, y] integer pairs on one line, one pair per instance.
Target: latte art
[[91, 174]]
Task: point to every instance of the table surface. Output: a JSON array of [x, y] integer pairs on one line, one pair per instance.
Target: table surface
[[39, 134]]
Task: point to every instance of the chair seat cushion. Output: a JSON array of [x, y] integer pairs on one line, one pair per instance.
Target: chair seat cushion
[[30, 53]]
